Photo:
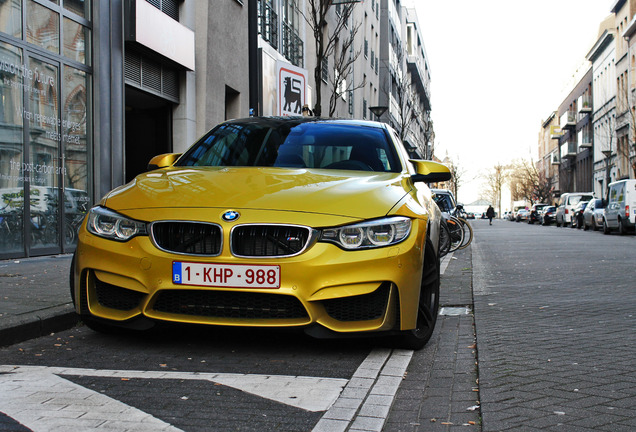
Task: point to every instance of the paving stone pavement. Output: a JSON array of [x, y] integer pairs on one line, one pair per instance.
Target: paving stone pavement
[[555, 329]]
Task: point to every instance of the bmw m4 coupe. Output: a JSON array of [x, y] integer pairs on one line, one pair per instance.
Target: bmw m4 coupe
[[324, 225]]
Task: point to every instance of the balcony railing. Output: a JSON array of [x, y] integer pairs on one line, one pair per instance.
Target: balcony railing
[[585, 138], [292, 47], [268, 23], [568, 120], [568, 149], [585, 104]]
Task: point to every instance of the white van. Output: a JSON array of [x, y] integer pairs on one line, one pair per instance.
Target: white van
[[620, 211], [567, 202]]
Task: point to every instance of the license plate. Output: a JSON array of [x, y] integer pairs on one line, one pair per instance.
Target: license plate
[[226, 275]]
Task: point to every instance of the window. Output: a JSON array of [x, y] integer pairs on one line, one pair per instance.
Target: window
[[169, 7]]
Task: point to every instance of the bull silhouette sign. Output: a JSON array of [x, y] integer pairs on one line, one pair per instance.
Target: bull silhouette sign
[[291, 90]]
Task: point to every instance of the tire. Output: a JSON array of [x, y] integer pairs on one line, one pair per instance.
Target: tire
[[622, 229], [606, 229], [428, 305], [71, 278], [468, 234], [444, 238], [456, 233]]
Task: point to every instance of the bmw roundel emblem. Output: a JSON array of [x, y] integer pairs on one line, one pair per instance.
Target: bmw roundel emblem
[[230, 216]]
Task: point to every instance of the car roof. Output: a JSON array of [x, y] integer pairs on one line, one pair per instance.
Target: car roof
[[273, 121]]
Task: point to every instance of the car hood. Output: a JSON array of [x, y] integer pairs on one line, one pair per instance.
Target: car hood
[[365, 195]]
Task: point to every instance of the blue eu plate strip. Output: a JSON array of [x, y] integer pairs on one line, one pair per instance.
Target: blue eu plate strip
[[176, 272]]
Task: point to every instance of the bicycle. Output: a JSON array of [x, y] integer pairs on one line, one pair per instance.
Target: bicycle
[[460, 214], [451, 234]]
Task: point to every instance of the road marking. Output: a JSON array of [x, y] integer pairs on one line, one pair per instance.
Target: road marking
[[366, 400], [39, 398], [43, 401], [445, 261]]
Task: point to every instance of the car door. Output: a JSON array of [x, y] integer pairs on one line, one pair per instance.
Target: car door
[[611, 211]]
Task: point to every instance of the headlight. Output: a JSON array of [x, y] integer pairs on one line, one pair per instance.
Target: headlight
[[111, 225], [376, 233]]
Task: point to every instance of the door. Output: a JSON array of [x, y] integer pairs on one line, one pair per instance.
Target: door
[[148, 130]]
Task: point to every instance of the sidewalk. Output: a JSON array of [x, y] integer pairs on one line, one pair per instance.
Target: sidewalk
[[440, 389], [35, 298]]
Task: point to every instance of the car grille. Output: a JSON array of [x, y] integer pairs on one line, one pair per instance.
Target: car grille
[[359, 308], [269, 240], [193, 238], [115, 297], [227, 304]]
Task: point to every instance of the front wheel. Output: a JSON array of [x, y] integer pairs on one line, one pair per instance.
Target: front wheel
[[606, 229], [428, 304]]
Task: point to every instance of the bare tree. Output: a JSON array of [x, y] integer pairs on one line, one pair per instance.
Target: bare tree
[[528, 183], [344, 59], [326, 36], [456, 175], [399, 85], [495, 179]]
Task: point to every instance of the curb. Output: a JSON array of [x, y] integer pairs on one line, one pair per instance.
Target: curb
[[20, 328]]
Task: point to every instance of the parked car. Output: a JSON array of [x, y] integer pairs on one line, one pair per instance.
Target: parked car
[[535, 212], [577, 214], [620, 212], [522, 215], [547, 215], [567, 201], [444, 199], [322, 225], [593, 214]]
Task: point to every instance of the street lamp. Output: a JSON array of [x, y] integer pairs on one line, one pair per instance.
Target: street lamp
[[378, 111]]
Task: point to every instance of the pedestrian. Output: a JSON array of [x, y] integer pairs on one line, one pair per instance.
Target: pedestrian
[[490, 213]]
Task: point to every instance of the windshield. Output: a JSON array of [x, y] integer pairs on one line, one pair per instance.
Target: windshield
[[295, 145], [575, 199]]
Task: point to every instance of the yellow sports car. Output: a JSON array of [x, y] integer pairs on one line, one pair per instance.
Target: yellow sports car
[[318, 224]]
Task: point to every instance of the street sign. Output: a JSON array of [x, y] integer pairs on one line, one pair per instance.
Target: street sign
[[292, 89]]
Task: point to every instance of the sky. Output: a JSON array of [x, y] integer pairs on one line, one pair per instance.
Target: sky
[[499, 68]]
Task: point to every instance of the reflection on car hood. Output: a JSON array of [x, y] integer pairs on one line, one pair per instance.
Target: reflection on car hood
[[368, 194]]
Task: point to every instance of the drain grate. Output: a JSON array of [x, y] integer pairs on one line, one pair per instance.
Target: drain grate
[[455, 310]]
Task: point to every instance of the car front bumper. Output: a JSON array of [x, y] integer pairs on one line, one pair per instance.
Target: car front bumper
[[342, 291]]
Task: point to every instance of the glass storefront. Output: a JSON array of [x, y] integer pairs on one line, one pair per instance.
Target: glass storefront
[[45, 124]]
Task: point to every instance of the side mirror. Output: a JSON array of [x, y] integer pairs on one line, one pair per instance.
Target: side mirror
[[163, 160], [429, 171]]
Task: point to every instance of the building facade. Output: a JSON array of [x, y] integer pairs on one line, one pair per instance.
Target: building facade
[[597, 120], [549, 158], [575, 139], [626, 149], [603, 59], [91, 90]]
